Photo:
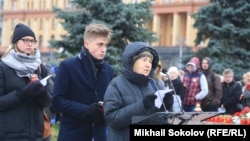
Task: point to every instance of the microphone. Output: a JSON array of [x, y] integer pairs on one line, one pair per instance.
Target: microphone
[[157, 90]]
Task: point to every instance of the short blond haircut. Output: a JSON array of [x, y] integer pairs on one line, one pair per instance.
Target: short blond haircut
[[94, 30], [246, 76]]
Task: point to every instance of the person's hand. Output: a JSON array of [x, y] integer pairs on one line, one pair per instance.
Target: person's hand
[[95, 113], [95, 110], [168, 100], [149, 101], [32, 89]]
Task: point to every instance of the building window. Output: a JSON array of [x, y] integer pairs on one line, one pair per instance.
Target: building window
[[28, 5], [14, 3], [40, 5], [32, 5], [44, 5], [52, 37], [40, 41], [69, 4], [29, 22], [13, 24], [135, 1], [41, 24], [53, 23], [2, 5]]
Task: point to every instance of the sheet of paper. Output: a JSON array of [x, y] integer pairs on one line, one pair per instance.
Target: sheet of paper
[[44, 80], [221, 110], [160, 95]]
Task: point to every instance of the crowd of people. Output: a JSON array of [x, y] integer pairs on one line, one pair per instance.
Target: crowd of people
[[213, 92], [94, 104]]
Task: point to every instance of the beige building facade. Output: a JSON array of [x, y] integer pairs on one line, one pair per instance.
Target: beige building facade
[[171, 20], [173, 23], [35, 13]]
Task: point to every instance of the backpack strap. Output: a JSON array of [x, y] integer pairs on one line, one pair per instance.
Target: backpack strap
[[42, 71]]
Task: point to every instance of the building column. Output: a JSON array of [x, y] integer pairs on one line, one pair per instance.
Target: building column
[[156, 28], [191, 32], [176, 28]]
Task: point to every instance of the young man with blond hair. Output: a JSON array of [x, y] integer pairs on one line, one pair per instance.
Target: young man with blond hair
[[80, 84]]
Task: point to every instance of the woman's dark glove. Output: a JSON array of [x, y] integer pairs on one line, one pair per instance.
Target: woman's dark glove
[[168, 100], [32, 89], [149, 101]]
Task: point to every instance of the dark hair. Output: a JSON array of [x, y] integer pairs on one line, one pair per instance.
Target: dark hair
[[164, 70]]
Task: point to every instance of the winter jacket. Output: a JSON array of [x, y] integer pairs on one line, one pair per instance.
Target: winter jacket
[[245, 97], [231, 96], [212, 100], [124, 95], [215, 90], [177, 86], [195, 84], [77, 86], [21, 119]]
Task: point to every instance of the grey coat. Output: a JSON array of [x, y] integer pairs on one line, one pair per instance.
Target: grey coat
[[123, 97]]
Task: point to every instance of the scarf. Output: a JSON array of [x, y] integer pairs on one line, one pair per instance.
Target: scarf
[[138, 79], [23, 64]]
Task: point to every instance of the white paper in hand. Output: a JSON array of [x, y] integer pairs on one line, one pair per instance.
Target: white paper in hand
[[160, 95], [221, 110], [44, 80]]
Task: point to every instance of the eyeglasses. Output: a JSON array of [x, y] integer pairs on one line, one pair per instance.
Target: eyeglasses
[[28, 41]]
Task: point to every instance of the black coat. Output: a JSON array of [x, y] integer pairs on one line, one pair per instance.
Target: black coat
[[177, 86], [77, 85], [231, 93], [21, 119]]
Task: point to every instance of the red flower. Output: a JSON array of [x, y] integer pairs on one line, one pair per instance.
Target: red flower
[[237, 114], [248, 87], [245, 109]]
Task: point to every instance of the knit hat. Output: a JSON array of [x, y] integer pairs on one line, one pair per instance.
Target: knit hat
[[20, 31], [143, 54]]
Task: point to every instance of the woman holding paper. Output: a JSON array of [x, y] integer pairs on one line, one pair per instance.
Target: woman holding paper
[[22, 96], [131, 93]]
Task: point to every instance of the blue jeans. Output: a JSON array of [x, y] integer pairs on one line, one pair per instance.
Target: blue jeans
[[188, 108]]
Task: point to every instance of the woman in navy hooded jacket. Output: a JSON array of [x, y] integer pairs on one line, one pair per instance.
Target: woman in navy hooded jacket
[[131, 93], [80, 84]]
